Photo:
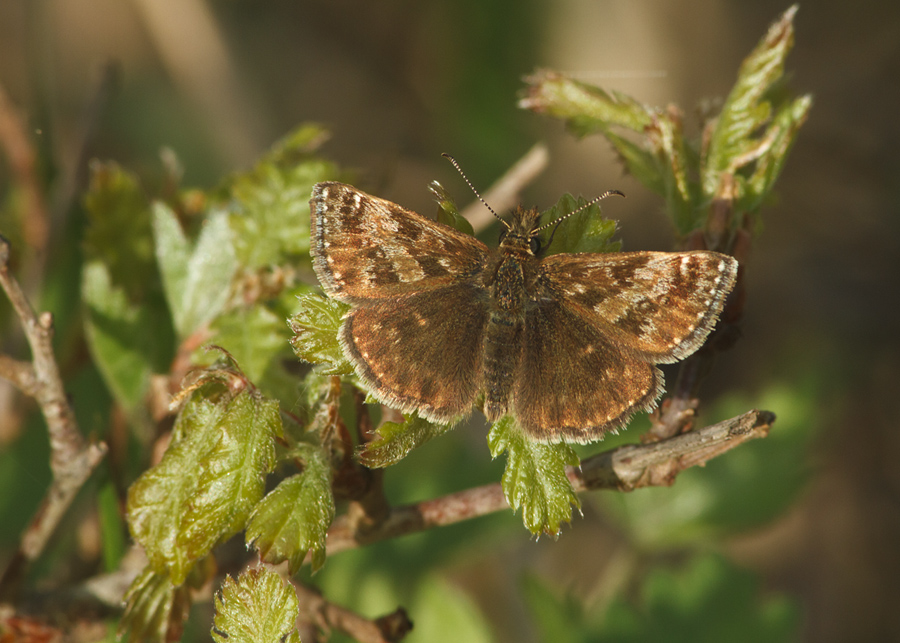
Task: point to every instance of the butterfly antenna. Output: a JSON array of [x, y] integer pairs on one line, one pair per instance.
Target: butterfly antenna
[[566, 216], [582, 208], [472, 187]]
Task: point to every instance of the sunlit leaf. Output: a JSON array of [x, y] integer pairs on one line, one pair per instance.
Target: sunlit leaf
[[587, 231], [535, 479], [208, 482], [315, 330], [196, 275], [155, 609], [258, 607], [396, 440], [294, 517]]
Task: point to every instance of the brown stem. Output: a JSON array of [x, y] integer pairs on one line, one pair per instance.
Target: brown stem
[[326, 616], [71, 460], [624, 468]]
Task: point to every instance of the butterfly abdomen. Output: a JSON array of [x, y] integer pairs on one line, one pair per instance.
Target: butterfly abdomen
[[503, 334]]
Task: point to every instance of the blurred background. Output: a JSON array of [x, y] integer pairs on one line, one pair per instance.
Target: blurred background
[[398, 82]]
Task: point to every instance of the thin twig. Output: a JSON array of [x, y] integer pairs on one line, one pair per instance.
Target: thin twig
[[71, 460], [624, 468], [327, 616], [504, 193]]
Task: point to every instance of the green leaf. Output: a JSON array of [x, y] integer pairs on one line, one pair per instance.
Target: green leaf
[[119, 233], [639, 161], [254, 337], [315, 330], [294, 517], [196, 275], [129, 341], [745, 110], [395, 440], [209, 480], [586, 109], [155, 609], [448, 213], [666, 137], [258, 607], [587, 231], [270, 204], [779, 139], [535, 477]]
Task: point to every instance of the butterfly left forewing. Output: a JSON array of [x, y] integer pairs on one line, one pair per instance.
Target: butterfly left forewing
[[659, 306], [367, 248]]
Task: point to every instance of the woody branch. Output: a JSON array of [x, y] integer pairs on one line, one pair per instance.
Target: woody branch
[[624, 468]]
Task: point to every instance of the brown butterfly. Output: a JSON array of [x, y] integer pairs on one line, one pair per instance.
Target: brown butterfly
[[566, 344]]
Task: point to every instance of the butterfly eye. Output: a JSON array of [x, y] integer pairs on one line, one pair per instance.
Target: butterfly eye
[[535, 244]]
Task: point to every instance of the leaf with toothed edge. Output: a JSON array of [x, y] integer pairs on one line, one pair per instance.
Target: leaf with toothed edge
[[535, 478]]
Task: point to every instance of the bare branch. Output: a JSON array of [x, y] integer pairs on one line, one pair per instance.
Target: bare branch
[[327, 616], [71, 461], [624, 468]]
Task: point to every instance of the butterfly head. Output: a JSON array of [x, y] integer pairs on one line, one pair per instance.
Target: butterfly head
[[521, 231], [521, 234]]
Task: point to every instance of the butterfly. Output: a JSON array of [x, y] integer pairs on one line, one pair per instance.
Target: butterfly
[[567, 344]]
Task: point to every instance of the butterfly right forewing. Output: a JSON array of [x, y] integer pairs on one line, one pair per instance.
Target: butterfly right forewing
[[659, 306]]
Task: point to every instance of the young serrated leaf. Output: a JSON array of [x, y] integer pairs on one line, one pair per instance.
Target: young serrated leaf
[[258, 607], [196, 275], [780, 137], [682, 196], [396, 440], [129, 341], [209, 480], [639, 162], [587, 109], [744, 110], [270, 204], [294, 517], [587, 231], [315, 330], [535, 477], [155, 609]]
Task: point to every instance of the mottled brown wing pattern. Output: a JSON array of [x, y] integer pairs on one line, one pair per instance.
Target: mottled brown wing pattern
[[421, 352], [659, 306], [364, 247], [551, 403]]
